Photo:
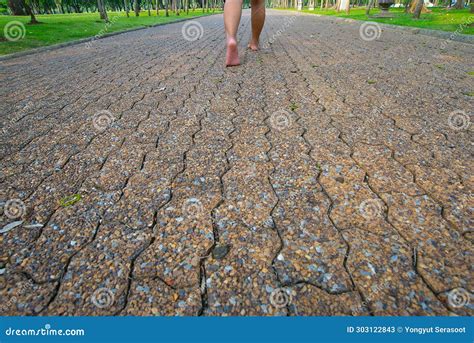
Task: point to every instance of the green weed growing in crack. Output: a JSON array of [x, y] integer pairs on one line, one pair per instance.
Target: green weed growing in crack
[[70, 200], [293, 107]]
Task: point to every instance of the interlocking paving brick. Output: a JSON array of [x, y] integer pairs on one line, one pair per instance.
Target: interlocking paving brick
[[327, 175]]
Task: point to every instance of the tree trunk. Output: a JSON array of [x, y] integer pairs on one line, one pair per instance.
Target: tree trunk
[[16, 6], [166, 8], [369, 6], [418, 8], [29, 11], [407, 6], [125, 3], [102, 10], [136, 8], [459, 4]]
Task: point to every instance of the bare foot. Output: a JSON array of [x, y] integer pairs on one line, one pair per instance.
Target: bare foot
[[253, 45], [232, 55]]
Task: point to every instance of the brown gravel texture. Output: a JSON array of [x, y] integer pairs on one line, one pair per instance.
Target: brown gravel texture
[[326, 175]]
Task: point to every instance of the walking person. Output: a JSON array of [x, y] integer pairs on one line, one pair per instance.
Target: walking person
[[232, 15]]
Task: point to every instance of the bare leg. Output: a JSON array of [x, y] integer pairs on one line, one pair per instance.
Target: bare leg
[[232, 14], [258, 19]]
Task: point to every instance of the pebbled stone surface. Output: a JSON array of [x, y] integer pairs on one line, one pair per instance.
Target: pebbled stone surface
[[327, 175]]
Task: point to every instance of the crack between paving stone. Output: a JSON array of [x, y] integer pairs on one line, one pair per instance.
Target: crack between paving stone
[[172, 181], [310, 149], [77, 153], [269, 178], [215, 229], [66, 266], [386, 212], [385, 215], [394, 122]]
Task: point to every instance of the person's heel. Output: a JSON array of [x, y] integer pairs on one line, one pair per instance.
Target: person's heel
[[232, 55]]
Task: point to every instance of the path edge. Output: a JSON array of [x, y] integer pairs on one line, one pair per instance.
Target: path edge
[[90, 39]]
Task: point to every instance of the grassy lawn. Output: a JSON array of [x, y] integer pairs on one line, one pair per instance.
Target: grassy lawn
[[438, 19], [59, 28]]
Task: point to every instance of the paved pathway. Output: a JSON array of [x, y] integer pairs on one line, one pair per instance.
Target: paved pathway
[[328, 175]]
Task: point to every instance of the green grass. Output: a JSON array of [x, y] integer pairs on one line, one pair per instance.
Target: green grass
[[59, 28], [439, 18]]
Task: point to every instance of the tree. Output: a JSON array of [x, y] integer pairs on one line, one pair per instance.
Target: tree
[[126, 5], [407, 6], [29, 11], [459, 4], [102, 10], [418, 8], [16, 6], [369, 6], [136, 6]]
